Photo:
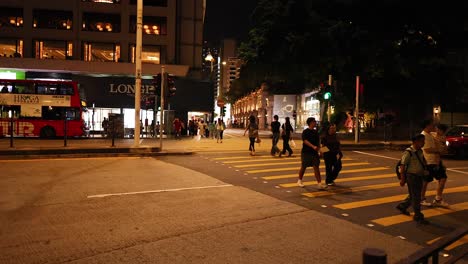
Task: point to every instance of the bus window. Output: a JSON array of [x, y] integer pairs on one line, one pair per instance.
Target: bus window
[[73, 114], [26, 88], [47, 88], [52, 113], [66, 89]]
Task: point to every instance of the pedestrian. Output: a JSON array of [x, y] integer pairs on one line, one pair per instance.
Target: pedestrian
[[412, 171], [212, 129], [220, 127], [287, 129], [105, 127], [192, 127], [177, 128], [310, 153], [275, 129], [331, 149], [252, 127], [437, 171], [151, 127], [157, 128]]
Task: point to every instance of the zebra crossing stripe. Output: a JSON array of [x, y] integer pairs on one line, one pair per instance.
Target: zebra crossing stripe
[[322, 167], [395, 198], [350, 190], [286, 176], [256, 159], [291, 163], [398, 219], [238, 157], [360, 178]]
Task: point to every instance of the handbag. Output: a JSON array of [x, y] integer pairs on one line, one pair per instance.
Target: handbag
[[258, 140]]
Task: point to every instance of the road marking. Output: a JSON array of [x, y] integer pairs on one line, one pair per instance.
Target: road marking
[[455, 244], [458, 171], [321, 166], [283, 162], [243, 157], [257, 160], [398, 219], [350, 190], [158, 191], [395, 198], [286, 176], [271, 159], [360, 178], [375, 155], [385, 157]]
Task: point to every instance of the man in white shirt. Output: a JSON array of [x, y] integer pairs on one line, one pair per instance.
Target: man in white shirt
[[432, 155]]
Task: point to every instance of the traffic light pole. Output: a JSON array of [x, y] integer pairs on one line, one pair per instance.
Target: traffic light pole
[[163, 83]]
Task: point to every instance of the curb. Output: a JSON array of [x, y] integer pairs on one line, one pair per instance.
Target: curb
[[88, 153]]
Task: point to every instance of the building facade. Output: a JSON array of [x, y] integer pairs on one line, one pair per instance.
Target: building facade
[[94, 42]]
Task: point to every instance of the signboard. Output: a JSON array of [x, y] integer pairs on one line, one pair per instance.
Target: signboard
[[35, 99], [220, 102]]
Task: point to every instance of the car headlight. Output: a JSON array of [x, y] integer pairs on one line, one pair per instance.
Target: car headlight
[[447, 143]]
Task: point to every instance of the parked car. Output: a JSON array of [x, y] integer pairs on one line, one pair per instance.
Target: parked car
[[457, 140]]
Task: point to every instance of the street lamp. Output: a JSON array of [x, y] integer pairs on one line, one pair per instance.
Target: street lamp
[[210, 58]]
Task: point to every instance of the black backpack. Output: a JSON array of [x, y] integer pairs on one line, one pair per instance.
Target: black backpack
[[397, 166]]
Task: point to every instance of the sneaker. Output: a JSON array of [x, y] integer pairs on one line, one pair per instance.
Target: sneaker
[[424, 202], [322, 186], [331, 184], [300, 183], [403, 210], [440, 203]]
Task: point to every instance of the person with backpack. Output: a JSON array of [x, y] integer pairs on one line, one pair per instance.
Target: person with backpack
[[412, 171]]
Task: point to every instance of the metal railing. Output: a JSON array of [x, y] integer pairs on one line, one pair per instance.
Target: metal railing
[[431, 252]]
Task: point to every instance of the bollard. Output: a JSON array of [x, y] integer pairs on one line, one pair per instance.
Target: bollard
[[11, 129], [65, 132], [374, 256]]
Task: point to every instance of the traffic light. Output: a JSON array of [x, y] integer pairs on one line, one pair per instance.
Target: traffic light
[[327, 94], [171, 85], [157, 84], [223, 111]]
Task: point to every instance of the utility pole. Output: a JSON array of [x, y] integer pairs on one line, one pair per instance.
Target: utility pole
[[138, 73], [163, 83], [356, 113]]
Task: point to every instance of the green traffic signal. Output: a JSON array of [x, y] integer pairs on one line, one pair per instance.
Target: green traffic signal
[[327, 95]]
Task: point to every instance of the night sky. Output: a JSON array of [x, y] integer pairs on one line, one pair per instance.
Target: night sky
[[228, 19]]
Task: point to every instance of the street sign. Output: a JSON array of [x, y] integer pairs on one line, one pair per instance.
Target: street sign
[[220, 102]]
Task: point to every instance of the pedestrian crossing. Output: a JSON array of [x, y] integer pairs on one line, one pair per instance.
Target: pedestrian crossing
[[373, 186]]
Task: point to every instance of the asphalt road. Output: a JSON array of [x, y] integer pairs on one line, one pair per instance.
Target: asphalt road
[[219, 205], [366, 193]]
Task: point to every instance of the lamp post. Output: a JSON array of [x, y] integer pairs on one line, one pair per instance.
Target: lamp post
[[210, 58]]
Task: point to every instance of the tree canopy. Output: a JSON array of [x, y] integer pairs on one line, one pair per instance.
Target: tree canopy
[[399, 48]]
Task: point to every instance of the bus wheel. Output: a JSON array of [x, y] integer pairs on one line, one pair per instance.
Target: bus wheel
[[47, 132]]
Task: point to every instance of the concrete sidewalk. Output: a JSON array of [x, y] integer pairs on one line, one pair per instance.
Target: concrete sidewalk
[[83, 147]]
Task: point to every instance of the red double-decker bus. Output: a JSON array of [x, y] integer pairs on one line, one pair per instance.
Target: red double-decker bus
[[40, 108]]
